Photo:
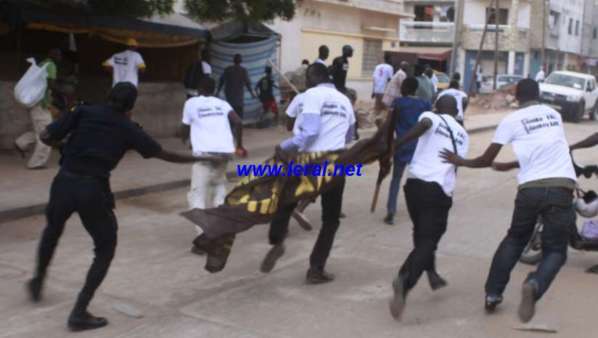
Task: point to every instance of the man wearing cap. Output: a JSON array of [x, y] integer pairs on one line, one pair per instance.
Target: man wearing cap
[[125, 66]]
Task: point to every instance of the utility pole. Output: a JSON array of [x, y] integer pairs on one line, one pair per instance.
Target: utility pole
[[479, 55], [497, 29], [543, 51], [458, 23]]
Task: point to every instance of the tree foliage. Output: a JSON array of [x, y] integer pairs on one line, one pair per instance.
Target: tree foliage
[[208, 10]]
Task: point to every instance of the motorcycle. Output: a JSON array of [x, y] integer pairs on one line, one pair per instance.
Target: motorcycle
[[586, 205]]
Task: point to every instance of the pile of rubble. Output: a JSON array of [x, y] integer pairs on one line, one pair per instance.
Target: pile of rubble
[[500, 99]]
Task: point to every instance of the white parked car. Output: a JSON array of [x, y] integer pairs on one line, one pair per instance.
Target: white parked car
[[573, 94]]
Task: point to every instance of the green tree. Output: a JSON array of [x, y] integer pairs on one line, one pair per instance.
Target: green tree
[[209, 10]]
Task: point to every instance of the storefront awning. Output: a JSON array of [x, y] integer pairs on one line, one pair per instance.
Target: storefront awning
[[157, 32], [428, 53]]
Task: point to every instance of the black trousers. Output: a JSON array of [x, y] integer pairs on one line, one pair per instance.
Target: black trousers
[[91, 198], [428, 208], [332, 201], [555, 207]]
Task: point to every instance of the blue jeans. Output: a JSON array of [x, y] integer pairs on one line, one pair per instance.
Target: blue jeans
[[395, 185], [555, 205]]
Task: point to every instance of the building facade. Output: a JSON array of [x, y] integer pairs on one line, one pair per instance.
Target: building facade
[[369, 26]]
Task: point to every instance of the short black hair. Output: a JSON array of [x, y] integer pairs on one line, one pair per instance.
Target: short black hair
[[237, 58], [206, 85], [122, 97], [447, 104], [387, 58], [323, 48], [409, 86], [418, 69], [454, 84], [527, 90], [318, 73], [457, 76], [305, 62]]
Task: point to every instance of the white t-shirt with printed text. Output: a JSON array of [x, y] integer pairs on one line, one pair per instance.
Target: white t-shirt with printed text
[[210, 128], [426, 164], [460, 96], [125, 67], [336, 117], [381, 76], [294, 111], [538, 139]]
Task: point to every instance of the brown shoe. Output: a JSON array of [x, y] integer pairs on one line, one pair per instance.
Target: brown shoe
[[316, 276]]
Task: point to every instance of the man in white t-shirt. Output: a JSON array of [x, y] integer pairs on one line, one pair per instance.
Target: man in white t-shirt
[[381, 76], [126, 66], [540, 76], [325, 123], [546, 180], [428, 193], [208, 119], [459, 95]]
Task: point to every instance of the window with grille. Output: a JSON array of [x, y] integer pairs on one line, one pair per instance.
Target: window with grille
[[372, 55]]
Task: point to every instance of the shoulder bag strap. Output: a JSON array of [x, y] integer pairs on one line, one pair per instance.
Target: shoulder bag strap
[[453, 141]]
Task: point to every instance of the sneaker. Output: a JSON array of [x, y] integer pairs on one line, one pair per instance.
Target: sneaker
[[397, 303], [197, 251], [316, 276], [389, 219], [34, 289], [527, 307], [272, 257], [436, 282], [85, 321], [492, 302]]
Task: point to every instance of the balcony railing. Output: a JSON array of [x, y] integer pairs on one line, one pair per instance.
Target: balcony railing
[[426, 32]]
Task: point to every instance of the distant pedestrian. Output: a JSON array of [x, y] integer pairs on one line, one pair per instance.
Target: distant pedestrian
[[235, 79], [265, 92], [479, 75], [209, 122], [433, 78], [428, 193], [126, 66], [199, 69], [540, 76], [41, 117], [305, 62], [340, 69], [323, 53], [408, 108], [393, 89], [97, 138], [547, 183], [380, 78], [425, 88], [459, 95]]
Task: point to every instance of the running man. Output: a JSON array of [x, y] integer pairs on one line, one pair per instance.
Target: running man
[[209, 122], [99, 137], [325, 123], [126, 65], [428, 193], [546, 180]]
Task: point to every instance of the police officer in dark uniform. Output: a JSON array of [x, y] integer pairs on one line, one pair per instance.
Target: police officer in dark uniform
[[99, 137]]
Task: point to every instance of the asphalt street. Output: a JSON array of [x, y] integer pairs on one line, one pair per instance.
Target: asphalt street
[[154, 276]]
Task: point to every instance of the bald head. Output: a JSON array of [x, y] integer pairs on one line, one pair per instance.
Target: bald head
[[447, 105]]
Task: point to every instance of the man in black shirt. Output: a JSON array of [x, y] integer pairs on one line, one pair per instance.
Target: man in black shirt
[[339, 69], [265, 92], [99, 137]]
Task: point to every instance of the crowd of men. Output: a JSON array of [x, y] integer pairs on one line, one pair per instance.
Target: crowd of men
[[429, 141]]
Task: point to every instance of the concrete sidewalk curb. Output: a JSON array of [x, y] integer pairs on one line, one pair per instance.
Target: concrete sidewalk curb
[[39, 209]]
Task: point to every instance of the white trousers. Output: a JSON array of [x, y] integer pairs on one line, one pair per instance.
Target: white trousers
[[208, 186], [40, 118]]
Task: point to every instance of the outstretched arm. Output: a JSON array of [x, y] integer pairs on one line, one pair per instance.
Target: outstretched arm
[[174, 157], [483, 161], [588, 142], [237, 125], [505, 166], [418, 130]]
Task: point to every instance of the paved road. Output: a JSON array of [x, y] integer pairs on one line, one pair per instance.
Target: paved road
[[154, 273]]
